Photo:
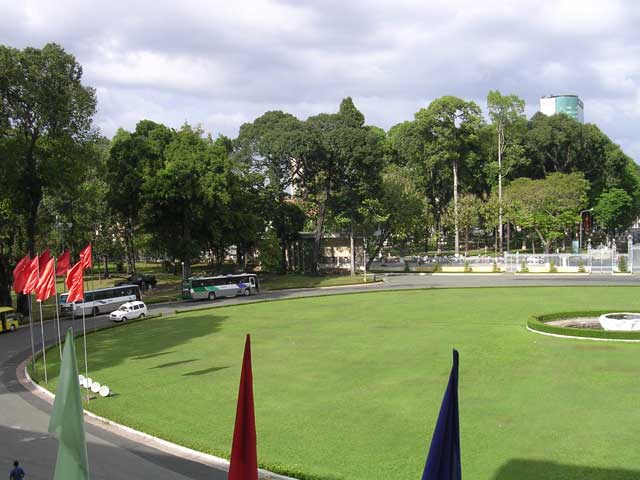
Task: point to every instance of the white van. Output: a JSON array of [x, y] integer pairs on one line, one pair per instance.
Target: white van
[[128, 311]]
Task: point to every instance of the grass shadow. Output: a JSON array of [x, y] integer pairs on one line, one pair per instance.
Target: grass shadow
[[523, 469], [173, 364], [203, 372], [152, 355]]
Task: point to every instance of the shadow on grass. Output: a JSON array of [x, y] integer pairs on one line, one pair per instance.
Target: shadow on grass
[[203, 372], [522, 469], [144, 357], [173, 364], [138, 340]]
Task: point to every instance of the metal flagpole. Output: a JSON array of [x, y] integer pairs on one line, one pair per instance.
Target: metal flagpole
[[44, 354], [84, 339], [86, 363], [55, 279], [33, 348]]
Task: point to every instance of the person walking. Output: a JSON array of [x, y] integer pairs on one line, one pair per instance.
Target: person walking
[[17, 473]]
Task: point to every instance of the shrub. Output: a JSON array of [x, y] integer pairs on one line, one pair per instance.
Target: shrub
[[552, 267], [523, 267], [622, 265], [437, 268], [496, 269], [467, 268], [581, 267]]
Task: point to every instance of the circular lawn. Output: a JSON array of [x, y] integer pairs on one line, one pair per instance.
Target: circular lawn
[[350, 386]]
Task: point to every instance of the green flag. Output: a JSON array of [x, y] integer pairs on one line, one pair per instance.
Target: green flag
[[67, 420]]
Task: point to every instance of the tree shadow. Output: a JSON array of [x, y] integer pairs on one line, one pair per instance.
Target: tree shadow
[[203, 372], [152, 355], [173, 364], [139, 340], [523, 469]]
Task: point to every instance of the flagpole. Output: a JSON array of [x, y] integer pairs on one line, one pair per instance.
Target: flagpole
[[44, 355], [55, 286], [33, 349], [86, 363]]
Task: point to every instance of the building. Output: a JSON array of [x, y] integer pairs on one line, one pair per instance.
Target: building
[[568, 104]]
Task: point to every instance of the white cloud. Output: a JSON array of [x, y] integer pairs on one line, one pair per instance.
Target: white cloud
[[222, 63]]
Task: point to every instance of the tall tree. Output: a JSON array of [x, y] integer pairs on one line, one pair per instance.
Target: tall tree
[[49, 113], [446, 136], [506, 112], [188, 190]]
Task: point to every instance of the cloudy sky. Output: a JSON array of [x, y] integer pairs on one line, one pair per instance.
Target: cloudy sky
[[222, 63]]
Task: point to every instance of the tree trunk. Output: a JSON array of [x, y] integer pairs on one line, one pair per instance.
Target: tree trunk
[[466, 241], [455, 208], [283, 256], [318, 237], [352, 252], [500, 147], [5, 281], [106, 266]]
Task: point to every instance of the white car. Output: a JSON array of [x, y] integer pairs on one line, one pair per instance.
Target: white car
[[128, 311]]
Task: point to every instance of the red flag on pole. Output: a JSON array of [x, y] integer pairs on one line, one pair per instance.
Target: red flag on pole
[[64, 262], [244, 457], [20, 274], [32, 275], [86, 257], [75, 283], [43, 259], [47, 283]]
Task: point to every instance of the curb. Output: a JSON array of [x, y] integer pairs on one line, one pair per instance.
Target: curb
[[136, 435], [582, 338]]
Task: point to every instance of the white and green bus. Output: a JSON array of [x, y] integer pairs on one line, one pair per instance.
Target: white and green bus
[[200, 288]]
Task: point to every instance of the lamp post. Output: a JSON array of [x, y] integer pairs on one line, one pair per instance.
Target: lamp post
[[183, 279], [582, 213]]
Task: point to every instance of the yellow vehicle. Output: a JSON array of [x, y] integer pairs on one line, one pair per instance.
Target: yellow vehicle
[[8, 320]]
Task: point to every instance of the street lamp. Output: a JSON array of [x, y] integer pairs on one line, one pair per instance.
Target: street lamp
[[582, 213], [183, 279]]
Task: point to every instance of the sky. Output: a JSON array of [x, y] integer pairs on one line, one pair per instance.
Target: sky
[[223, 63]]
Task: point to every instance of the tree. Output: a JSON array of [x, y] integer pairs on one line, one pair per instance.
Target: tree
[[346, 169], [614, 211], [548, 206], [468, 216], [50, 113], [133, 157], [506, 112], [186, 193], [397, 213], [447, 132]]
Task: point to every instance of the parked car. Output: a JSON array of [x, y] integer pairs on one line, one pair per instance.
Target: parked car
[[143, 280], [128, 311]]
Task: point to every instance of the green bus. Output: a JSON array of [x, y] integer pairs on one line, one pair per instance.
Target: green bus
[[200, 288]]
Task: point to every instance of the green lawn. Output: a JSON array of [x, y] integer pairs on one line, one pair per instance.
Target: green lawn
[[349, 386]]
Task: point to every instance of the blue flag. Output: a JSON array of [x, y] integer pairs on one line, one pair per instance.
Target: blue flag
[[443, 461]]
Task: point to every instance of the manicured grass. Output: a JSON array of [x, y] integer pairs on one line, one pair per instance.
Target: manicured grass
[[349, 386], [294, 280]]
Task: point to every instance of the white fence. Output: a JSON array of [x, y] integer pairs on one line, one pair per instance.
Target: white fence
[[597, 261]]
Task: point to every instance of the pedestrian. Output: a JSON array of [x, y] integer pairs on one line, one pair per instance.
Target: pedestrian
[[17, 473]]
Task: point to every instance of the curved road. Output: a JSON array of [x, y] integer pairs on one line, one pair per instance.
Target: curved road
[[24, 417]]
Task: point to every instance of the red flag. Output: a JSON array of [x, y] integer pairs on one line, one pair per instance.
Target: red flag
[[75, 283], [244, 457], [20, 274], [64, 262], [32, 275], [43, 259], [47, 283], [86, 257]]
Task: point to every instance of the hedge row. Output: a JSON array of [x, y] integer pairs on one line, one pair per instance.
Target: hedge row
[[539, 323]]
